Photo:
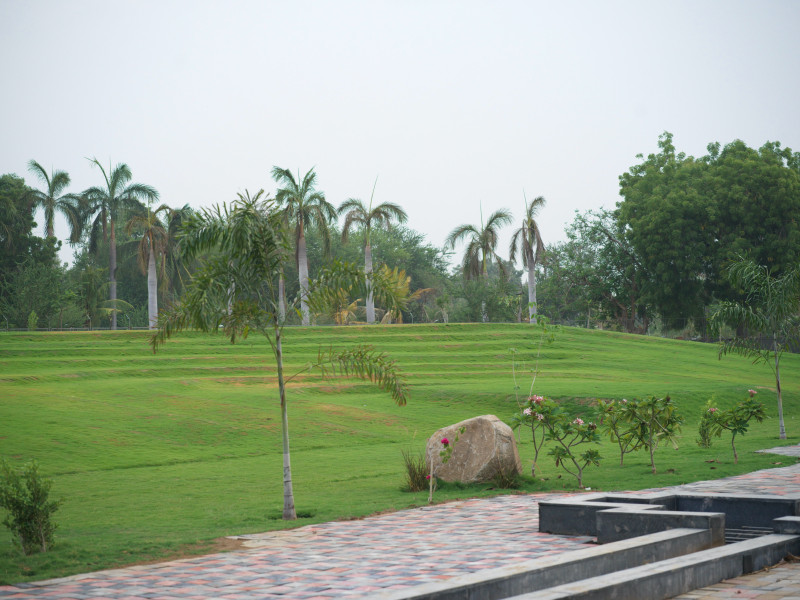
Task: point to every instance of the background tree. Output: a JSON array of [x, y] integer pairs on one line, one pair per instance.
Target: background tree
[[528, 239], [109, 203], [153, 243], [304, 207], [249, 247], [766, 321], [481, 246], [356, 214], [52, 200]]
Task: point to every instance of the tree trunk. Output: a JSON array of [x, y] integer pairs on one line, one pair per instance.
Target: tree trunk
[[112, 275], [302, 268], [368, 271], [781, 426], [289, 513], [281, 298], [152, 289], [531, 291]]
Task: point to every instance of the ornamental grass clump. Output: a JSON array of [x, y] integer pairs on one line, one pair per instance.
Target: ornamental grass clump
[[416, 471], [736, 420], [24, 493]]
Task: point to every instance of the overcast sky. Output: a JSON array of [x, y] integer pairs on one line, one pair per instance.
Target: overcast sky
[[452, 105]]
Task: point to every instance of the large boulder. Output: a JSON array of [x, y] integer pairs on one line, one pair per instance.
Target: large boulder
[[486, 446]]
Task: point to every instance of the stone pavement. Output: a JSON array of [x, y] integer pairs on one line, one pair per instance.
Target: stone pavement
[[354, 559]]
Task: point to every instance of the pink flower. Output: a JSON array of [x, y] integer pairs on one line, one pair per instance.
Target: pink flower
[[527, 411], [624, 401], [712, 410], [540, 416], [578, 421], [752, 393], [445, 441], [427, 476], [536, 399]]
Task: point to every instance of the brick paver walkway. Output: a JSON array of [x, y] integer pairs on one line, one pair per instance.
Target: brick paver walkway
[[356, 558]]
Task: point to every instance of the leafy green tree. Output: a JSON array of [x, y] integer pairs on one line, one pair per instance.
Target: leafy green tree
[[481, 249], [249, 245], [35, 286], [153, 243], [528, 239], [51, 200], [767, 320], [109, 204], [356, 214], [304, 207], [736, 420], [686, 218]]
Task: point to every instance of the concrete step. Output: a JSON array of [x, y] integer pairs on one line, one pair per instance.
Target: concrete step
[[594, 560], [674, 576]]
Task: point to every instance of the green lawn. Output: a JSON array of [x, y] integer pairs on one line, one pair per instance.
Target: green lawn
[[156, 456]]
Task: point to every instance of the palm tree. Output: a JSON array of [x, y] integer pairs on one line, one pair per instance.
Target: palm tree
[[175, 270], [51, 200], [528, 239], [381, 216], [249, 243], [154, 242], [304, 207], [481, 247], [770, 313], [110, 203]]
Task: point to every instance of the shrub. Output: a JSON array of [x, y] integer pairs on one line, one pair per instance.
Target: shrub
[[24, 494], [736, 420], [33, 321], [506, 479], [416, 471]]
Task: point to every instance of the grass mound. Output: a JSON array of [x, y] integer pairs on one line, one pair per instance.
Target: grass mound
[[158, 456]]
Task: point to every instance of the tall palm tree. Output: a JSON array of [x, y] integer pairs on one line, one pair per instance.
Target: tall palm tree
[[175, 269], [381, 216], [304, 207], [109, 203], [153, 243], [481, 247], [528, 239], [52, 200]]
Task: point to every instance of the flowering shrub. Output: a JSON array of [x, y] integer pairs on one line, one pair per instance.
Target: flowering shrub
[[445, 453], [549, 423], [654, 420], [621, 430], [736, 420]]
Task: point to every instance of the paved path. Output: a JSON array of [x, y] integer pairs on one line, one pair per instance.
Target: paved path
[[352, 559]]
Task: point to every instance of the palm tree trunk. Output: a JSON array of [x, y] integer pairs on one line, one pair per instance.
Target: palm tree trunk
[[281, 297], [781, 426], [289, 513], [368, 271], [152, 288], [302, 268], [531, 291], [112, 275]]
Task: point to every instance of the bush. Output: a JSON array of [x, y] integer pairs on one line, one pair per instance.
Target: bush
[[24, 494], [506, 479], [33, 321], [416, 471]]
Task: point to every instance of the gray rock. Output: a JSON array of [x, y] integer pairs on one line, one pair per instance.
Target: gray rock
[[486, 446]]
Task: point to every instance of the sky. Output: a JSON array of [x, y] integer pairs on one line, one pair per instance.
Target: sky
[[457, 108]]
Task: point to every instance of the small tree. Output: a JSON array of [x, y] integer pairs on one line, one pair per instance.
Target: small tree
[[235, 290], [736, 420], [770, 312], [654, 420], [25, 495], [33, 321], [620, 430]]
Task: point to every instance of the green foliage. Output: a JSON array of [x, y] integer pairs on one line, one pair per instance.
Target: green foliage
[[686, 217], [654, 420], [736, 420], [505, 478], [622, 429], [33, 321], [24, 493], [416, 471], [766, 321]]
